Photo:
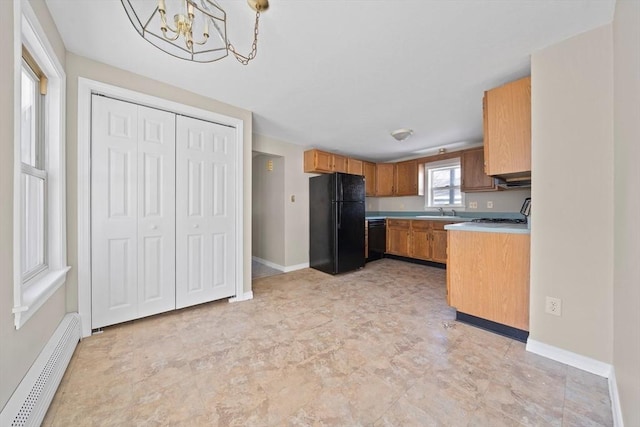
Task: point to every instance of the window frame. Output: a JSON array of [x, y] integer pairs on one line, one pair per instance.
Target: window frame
[[39, 169], [30, 292], [429, 168]]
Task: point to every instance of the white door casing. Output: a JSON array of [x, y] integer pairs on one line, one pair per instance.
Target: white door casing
[[86, 89], [205, 211], [133, 211]]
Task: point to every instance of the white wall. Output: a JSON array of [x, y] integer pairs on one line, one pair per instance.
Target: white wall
[[503, 201], [626, 287], [572, 193], [296, 183], [268, 209], [18, 349]]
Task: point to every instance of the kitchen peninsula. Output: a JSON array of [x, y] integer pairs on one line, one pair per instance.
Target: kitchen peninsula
[[488, 276]]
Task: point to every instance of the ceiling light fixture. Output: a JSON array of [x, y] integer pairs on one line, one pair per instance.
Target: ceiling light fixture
[[198, 31], [402, 134]]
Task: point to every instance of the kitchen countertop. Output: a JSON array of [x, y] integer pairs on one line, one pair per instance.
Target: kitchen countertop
[[489, 227], [422, 217]]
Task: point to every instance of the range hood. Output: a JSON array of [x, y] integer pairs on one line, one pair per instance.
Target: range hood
[[507, 184]]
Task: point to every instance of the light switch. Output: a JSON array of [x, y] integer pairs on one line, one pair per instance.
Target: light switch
[[293, 198], [489, 204]]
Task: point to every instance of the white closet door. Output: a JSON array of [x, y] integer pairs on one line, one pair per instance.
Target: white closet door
[[156, 211], [132, 211], [205, 217]]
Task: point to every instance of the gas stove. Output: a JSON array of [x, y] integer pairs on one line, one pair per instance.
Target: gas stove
[[500, 220]]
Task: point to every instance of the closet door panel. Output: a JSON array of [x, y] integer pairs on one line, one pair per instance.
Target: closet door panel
[[205, 218], [156, 211], [114, 212]]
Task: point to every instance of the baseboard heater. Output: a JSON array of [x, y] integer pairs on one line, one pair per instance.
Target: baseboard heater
[[29, 403]]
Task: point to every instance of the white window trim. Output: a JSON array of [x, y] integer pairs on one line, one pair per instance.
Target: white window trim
[[427, 194], [30, 296]]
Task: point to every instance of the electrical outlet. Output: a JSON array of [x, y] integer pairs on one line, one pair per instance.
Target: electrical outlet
[[473, 205], [553, 306], [489, 204]]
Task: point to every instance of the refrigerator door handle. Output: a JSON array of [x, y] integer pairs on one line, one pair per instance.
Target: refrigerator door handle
[[339, 215]]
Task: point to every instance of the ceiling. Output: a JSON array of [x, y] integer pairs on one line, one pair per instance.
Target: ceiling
[[342, 74]]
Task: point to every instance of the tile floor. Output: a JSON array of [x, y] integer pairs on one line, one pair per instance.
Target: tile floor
[[376, 347]]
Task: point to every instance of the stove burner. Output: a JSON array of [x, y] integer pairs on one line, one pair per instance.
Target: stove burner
[[500, 220]]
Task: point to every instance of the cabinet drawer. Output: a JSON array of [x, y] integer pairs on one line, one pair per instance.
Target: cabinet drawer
[[399, 223], [420, 224]]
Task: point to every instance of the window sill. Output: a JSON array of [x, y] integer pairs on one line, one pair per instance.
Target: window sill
[[37, 293]]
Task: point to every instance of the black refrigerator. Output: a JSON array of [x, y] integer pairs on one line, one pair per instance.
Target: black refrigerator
[[336, 222]]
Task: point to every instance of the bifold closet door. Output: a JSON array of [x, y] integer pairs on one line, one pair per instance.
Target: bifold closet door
[[206, 226], [132, 211]]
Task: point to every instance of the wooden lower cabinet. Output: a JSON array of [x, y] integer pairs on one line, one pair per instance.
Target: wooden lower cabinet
[[419, 239], [439, 242], [398, 241], [488, 276]]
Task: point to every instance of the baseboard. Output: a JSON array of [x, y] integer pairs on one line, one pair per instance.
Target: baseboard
[[296, 267], [282, 268], [615, 400], [569, 358]]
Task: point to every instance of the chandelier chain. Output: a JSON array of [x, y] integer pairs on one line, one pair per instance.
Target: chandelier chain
[[244, 60]]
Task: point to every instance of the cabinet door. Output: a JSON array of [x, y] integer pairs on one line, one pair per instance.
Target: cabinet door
[[206, 211], [398, 237], [507, 133], [339, 163], [369, 170], [488, 276], [420, 239], [384, 179], [406, 178], [473, 177], [354, 166], [439, 243], [316, 161]]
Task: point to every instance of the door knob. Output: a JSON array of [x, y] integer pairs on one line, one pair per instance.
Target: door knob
[[154, 227], [196, 226]]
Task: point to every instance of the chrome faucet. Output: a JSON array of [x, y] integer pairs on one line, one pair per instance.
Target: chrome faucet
[[453, 212], [441, 211]]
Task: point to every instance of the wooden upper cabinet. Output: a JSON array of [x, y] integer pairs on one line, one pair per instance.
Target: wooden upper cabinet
[[369, 170], [339, 163], [355, 166], [406, 178], [507, 129], [317, 161], [384, 179], [473, 177]]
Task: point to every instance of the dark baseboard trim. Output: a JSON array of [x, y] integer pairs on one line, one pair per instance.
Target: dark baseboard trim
[[416, 261], [498, 328]]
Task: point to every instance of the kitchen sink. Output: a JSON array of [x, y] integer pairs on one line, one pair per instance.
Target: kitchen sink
[[445, 217]]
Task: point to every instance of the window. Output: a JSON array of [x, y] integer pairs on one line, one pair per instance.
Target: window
[[33, 179], [443, 184], [39, 228]]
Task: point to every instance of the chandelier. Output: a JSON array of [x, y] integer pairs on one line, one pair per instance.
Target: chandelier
[[194, 30]]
